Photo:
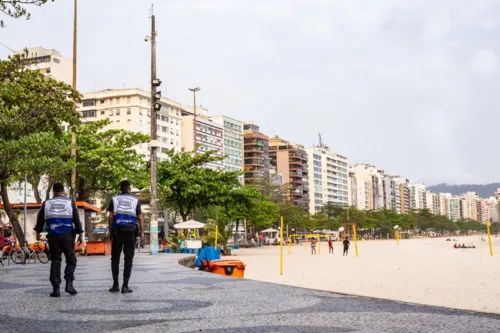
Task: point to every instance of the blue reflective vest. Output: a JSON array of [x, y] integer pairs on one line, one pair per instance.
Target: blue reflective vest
[[124, 210], [59, 215]]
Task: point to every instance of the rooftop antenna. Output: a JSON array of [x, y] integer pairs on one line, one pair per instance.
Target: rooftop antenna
[[321, 144], [151, 12]]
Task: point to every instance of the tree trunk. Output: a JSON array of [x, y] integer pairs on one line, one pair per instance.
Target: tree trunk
[[38, 198], [11, 214], [47, 192], [236, 232]]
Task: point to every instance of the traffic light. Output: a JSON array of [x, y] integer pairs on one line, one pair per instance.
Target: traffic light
[[156, 101]]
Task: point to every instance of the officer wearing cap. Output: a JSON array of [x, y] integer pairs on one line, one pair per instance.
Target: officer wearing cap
[[125, 223], [61, 217]]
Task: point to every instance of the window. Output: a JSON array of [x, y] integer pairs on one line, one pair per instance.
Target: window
[[88, 114], [56, 60], [110, 112], [129, 111], [102, 101], [163, 129], [164, 118], [117, 112], [89, 102], [118, 121], [129, 120], [102, 113], [47, 71]]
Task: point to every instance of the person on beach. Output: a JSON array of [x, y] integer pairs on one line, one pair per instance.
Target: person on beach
[[313, 246], [346, 246], [330, 245]]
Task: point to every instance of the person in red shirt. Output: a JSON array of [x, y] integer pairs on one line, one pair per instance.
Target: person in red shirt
[[330, 245]]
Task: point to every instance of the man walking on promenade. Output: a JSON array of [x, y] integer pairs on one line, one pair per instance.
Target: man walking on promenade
[[125, 223], [60, 214], [346, 246]]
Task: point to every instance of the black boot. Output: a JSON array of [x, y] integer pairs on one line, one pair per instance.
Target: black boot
[[116, 287], [56, 292], [69, 288], [125, 288]]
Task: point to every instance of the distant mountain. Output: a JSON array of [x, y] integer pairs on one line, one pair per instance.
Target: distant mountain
[[484, 191]]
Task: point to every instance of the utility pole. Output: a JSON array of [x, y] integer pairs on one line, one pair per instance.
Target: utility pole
[[194, 90], [73, 134], [155, 97]]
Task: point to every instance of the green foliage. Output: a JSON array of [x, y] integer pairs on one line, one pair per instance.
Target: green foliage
[[106, 157], [183, 182], [32, 108], [16, 8], [224, 233]]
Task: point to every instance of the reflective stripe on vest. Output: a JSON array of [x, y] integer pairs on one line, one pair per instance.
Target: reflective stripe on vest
[[59, 215], [124, 210]]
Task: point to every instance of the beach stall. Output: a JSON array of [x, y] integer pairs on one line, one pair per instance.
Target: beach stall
[[192, 227], [271, 236]]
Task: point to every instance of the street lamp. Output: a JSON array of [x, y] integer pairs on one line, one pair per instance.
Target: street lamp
[[194, 90]]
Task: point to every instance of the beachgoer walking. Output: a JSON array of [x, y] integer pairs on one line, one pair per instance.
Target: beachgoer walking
[[346, 246], [330, 245]]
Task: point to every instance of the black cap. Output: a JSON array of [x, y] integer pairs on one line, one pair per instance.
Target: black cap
[[58, 187]]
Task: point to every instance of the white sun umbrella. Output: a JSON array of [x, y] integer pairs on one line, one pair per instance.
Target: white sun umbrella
[[269, 231], [191, 224]]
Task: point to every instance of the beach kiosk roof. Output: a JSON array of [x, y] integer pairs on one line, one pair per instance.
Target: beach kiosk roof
[[269, 230], [191, 224]]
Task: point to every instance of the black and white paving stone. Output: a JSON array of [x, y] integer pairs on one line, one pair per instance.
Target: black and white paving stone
[[168, 297]]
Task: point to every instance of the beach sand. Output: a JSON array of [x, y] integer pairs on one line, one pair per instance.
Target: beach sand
[[424, 271]]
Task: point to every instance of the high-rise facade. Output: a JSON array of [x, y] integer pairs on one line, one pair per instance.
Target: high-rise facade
[[49, 62], [362, 176], [233, 143], [209, 137], [130, 109], [256, 154], [328, 178], [291, 161]]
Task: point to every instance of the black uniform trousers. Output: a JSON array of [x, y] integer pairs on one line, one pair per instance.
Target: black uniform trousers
[[59, 244], [123, 239]]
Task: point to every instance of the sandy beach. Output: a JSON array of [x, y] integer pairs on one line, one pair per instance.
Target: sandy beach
[[424, 271]]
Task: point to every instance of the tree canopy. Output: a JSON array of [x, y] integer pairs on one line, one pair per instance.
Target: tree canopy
[[32, 107], [18, 8]]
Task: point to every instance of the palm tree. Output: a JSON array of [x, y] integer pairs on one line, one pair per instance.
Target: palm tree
[[224, 233]]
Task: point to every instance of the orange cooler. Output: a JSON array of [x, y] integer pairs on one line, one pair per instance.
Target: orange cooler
[[234, 268]]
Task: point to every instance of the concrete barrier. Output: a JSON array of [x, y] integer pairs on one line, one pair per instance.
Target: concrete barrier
[[188, 261]]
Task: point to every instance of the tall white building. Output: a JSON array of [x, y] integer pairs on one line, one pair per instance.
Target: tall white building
[[233, 143], [209, 136], [328, 178], [418, 196], [49, 62], [130, 109], [362, 177]]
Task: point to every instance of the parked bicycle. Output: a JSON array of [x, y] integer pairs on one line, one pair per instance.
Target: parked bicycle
[[38, 250]]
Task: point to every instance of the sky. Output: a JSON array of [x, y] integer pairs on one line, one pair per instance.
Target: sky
[[408, 86]]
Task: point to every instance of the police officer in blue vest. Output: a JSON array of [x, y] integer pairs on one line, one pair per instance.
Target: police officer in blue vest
[[61, 217], [125, 224]]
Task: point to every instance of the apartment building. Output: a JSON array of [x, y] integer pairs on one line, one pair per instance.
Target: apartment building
[[418, 196], [363, 180], [209, 136], [130, 109], [454, 208], [291, 161], [468, 206], [49, 62], [402, 190], [328, 178], [429, 201], [256, 154], [233, 143]]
